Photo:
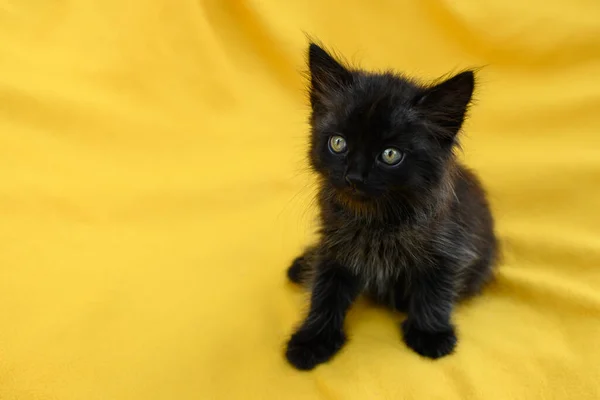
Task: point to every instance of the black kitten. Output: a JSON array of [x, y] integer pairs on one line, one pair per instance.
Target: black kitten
[[401, 220]]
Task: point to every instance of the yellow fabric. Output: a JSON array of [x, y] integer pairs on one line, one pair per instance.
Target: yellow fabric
[[153, 191]]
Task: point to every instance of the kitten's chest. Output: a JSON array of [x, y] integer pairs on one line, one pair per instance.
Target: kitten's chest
[[378, 254]]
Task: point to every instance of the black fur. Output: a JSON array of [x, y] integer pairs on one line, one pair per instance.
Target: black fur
[[321, 335], [416, 236]]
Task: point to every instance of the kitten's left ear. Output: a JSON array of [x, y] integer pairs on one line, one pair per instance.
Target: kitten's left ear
[[446, 103]]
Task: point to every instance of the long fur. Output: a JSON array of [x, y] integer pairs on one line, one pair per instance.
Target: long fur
[[419, 238]]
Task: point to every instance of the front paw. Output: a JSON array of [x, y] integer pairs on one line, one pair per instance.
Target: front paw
[[432, 344], [306, 350]]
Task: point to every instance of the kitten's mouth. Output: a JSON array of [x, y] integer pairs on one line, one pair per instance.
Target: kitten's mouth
[[356, 201], [354, 194]]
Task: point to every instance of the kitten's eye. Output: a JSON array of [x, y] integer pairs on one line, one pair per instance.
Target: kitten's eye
[[337, 144], [392, 156]]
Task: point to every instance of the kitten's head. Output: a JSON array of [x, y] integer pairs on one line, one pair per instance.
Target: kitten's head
[[378, 134]]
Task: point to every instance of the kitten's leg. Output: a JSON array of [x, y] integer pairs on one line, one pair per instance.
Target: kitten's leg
[[428, 329], [321, 335], [400, 300]]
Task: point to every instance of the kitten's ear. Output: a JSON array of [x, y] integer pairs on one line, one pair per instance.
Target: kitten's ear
[[326, 75], [446, 103]]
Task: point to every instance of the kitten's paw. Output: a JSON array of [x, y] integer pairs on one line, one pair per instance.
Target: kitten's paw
[[305, 350], [429, 344], [295, 272]]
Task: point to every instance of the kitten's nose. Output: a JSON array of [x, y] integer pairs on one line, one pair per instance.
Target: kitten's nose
[[354, 179]]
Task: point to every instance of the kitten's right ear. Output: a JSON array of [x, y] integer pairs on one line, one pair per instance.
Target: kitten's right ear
[[326, 75]]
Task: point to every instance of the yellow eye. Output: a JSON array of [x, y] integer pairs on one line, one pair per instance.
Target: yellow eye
[[337, 144], [391, 156]]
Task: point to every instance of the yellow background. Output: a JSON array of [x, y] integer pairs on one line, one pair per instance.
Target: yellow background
[[153, 191]]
